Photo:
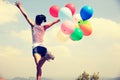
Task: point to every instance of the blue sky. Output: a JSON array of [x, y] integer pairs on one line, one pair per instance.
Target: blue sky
[[97, 53]]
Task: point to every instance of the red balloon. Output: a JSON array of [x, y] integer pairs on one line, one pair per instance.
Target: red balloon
[[71, 7], [54, 10]]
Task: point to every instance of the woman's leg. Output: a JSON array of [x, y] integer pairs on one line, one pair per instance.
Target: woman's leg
[[39, 63]]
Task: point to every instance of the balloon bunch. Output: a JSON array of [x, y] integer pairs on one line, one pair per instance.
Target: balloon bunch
[[72, 25]]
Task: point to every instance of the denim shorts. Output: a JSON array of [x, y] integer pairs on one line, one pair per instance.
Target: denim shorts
[[40, 50]]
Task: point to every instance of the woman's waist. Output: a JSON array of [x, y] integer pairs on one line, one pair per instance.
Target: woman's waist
[[35, 44]]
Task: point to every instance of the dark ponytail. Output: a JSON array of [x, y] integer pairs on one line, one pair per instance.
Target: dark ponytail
[[40, 18]]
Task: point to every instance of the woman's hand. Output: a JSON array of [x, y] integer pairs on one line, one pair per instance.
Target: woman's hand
[[18, 4], [58, 20]]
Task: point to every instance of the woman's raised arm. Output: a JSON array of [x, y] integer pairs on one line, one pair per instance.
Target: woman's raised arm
[[18, 4]]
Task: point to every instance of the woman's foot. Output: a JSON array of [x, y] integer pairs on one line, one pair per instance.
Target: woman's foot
[[49, 56]]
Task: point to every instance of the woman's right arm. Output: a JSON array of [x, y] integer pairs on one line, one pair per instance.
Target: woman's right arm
[[18, 4]]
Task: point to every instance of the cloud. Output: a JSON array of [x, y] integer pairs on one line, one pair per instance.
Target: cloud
[[24, 35], [13, 62], [8, 56], [98, 52], [58, 50], [8, 12], [105, 28], [9, 51]]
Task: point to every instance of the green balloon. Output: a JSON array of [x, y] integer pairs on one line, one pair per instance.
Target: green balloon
[[77, 34], [83, 22]]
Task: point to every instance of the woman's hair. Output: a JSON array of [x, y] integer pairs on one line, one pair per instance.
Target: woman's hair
[[40, 18]]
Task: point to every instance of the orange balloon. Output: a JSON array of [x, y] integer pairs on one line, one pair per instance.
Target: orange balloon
[[87, 29]]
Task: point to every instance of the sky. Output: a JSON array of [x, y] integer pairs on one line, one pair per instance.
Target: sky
[[98, 52]]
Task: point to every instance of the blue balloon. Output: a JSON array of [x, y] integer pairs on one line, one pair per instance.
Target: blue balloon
[[86, 12]]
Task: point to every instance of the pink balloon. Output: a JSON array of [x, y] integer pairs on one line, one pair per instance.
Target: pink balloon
[[67, 27], [54, 10], [71, 7]]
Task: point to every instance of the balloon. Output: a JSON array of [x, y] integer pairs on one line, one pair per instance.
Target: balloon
[[71, 7], [77, 26], [76, 18], [77, 34], [86, 12], [61, 36], [83, 22], [87, 30], [54, 10], [65, 14], [67, 27]]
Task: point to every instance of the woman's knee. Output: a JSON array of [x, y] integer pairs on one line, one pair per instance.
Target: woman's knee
[[37, 58]]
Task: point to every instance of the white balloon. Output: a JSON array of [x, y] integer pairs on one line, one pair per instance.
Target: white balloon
[[65, 14]]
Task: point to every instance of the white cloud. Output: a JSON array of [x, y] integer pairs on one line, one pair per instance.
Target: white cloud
[[13, 62], [104, 28], [7, 12], [97, 53], [60, 51], [23, 35], [9, 51]]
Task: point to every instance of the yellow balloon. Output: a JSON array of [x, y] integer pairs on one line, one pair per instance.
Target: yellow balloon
[[76, 26], [61, 36]]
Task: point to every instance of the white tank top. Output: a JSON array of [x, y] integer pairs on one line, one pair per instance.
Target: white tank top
[[38, 35]]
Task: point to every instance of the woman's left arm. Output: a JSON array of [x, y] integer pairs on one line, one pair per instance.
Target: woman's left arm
[[50, 24]]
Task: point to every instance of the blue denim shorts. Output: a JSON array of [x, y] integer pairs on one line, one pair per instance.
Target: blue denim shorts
[[40, 50]]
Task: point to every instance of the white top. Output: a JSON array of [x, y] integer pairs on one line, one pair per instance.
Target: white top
[[38, 35]]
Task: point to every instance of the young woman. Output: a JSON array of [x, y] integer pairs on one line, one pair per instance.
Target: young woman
[[40, 52]]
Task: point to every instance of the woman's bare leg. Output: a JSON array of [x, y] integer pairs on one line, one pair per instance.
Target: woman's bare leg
[[39, 63]]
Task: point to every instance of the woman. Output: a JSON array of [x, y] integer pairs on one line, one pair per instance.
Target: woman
[[40, 52]]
